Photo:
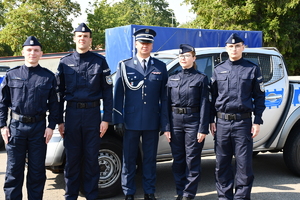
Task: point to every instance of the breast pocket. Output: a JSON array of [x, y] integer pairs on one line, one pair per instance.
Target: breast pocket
[[94, 77], [222, 80], [70, 79], [43, 91], [194, 91], [246, 82], [16, 90], [173, 84], [155, 77]]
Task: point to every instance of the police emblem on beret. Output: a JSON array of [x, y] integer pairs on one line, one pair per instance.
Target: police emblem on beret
[[31, 42], [83, 29], [233, 41], [147, 30]]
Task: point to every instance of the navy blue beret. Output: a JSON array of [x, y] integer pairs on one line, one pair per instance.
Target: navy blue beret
[[83, 28], [234, 38], [145, 35], [31, 41], [185, 48]]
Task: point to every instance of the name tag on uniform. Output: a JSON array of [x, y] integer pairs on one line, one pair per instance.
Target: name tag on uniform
[[224, 72], [106, 70], [71, 65], [156, 72], [175, 79]]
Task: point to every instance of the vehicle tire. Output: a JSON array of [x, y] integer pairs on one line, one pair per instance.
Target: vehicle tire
[[110, 161], [255, 153], [291, 151]]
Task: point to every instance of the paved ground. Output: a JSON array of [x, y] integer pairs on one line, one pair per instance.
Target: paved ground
[[272, 181]]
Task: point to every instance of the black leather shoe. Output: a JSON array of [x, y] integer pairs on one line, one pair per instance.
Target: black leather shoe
[[149, 197], [129, 197], [179, 197]]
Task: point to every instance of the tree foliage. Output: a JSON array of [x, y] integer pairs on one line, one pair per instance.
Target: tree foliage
[[46, 19], [5, 50], [126, 12], [278, 19], [1, 15]]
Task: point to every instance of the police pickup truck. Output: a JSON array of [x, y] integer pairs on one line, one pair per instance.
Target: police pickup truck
[[279, 133]]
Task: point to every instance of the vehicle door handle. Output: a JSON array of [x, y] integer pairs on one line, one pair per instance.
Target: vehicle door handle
[[273, 97]]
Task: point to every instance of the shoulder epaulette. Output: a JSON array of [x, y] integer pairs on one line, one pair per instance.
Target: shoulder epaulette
[[251, 62], [48, 70], [219, 63], [175, 72], [157, 60], [97, 54], [14, 68], [66, 56], [126, 59]]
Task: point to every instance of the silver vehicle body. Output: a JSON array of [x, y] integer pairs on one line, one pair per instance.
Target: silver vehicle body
[[281, 114]]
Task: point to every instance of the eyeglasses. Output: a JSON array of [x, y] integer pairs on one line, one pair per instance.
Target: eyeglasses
[[182, 56]]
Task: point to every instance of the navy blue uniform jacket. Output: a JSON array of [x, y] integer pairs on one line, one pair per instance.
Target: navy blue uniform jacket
[[85, 78], [29, 91], [237, 87], [190, 91], [146, 107]]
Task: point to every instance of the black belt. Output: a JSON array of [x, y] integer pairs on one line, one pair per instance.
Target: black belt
[[185, 110], [82, 105], [27, 119], [230, 116]]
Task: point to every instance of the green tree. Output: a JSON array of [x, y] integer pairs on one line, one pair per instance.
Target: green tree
[[5, 50], [139, 12], [1, 15], [279, 21], [46, 19]]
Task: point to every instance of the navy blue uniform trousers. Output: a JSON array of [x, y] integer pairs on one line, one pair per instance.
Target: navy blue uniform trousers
[[234, 138], [131, 141], [82, 143], [186, 153], [25, 138]]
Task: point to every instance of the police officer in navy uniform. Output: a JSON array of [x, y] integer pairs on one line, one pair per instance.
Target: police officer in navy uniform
[[189, 114], [140, 108], [237, 93], [84, 79], [29, 91]]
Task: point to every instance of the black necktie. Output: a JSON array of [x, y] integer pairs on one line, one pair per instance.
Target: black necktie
[[144, 64]]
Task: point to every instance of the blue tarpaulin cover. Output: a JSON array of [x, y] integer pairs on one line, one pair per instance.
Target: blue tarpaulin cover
[[119, 41]]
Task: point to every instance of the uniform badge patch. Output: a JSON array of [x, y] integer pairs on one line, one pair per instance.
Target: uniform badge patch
[[109, 80], [262, 87]]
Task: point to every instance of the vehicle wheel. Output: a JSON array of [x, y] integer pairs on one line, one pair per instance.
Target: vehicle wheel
[[291, 151], [255, 153], [110, 161]]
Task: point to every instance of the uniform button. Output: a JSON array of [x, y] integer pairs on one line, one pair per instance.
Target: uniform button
[[145, 102], [145, 78], [145, 94], [145, 86]]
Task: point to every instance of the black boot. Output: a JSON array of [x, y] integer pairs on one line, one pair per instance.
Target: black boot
[[149, 197]]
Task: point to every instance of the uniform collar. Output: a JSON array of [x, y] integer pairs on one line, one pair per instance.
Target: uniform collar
[[236, 62], [188, 71], [141, 59], [32, 69], [82, 55]]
